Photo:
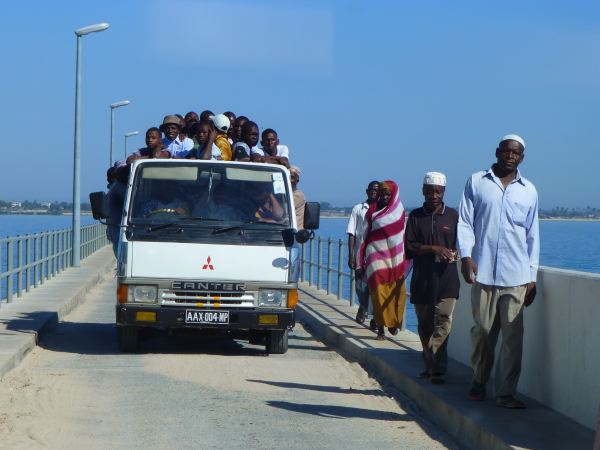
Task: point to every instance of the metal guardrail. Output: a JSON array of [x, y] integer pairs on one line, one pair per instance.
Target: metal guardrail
[[319, 272], [312, 270], [28, 261]]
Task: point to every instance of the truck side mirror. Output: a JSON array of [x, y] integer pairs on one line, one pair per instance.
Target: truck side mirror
[[312, 212], [303, 236], [99, 202]]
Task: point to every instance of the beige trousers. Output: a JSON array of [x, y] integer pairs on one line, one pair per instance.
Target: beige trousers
[[497, 309], [435, 322]]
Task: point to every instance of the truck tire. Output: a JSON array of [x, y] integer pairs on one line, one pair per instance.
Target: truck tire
[[128, 338], [277, 342]]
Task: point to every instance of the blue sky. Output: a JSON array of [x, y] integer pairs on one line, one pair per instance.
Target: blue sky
[[358, 90]]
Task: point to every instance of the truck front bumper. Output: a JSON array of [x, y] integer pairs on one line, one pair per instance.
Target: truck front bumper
[[156, 316]]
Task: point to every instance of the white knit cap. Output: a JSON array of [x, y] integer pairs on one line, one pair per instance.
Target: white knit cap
[[435, 178], [513, 137]]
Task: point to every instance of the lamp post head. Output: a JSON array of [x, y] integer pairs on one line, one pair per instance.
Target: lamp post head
[[119, 104], [91, 29], [132, 133]]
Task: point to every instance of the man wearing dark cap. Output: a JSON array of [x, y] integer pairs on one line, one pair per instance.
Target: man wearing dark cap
[[430, 241], [498, 239], [171, 127]]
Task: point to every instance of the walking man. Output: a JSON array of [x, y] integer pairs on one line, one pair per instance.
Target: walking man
[[498, 239], [356, 230], [431, 243]]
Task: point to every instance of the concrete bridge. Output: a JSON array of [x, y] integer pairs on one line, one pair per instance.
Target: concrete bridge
[[74, 388]]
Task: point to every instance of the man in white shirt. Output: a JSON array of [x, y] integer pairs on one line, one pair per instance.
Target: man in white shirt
[[356, 230], [271, 151], [171, 127]]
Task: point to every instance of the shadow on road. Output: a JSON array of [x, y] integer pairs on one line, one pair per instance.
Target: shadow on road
[[339, 412], [319, 388], [98, 338]]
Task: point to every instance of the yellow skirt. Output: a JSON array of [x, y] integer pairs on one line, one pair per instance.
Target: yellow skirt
[[389, 301]]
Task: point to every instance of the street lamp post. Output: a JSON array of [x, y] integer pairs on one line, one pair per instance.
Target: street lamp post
[[114, 106], [128, 135], [76, 241]]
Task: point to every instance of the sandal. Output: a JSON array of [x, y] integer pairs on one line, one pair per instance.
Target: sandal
[[380, 334], [393, 331], [360, 316], [508, 401], [477, 392], [373, 325]]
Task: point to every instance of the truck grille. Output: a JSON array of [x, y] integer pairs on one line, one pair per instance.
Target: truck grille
[[207, 298]]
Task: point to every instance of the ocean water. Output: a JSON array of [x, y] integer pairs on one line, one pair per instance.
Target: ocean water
[[14, 224], [565, 244]]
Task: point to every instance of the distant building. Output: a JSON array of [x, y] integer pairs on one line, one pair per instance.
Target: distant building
[[15, 204], [46, 204]]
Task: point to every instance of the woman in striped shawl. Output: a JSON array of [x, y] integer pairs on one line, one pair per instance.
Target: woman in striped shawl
[[382, 256]]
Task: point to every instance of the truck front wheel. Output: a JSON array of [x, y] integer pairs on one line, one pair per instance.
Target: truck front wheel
[[128, 338], [277, 342]]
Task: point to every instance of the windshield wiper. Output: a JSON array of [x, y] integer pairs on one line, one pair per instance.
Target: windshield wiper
[[243, 225], [181, 221]]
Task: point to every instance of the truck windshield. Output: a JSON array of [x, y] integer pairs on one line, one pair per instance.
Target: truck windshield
[[209, 193]]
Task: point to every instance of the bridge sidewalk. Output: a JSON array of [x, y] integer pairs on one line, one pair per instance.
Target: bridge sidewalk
[[26, 319], [398, 360]]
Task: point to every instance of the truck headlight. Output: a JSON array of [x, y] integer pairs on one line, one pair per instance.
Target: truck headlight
[[271, 297], [143, 294]]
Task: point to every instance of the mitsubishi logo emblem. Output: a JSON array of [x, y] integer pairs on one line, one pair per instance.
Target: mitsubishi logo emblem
[[208, 265]]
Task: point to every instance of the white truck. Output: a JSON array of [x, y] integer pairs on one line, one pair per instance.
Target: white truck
[[208, 245]]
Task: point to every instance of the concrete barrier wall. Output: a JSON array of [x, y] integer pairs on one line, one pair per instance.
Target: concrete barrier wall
[[561, 358]]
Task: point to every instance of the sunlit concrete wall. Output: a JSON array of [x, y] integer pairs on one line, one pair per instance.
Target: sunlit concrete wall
[[561, 359]]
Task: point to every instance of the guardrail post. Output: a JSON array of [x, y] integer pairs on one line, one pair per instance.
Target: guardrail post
[[44, 257], [28, 264], [35, 262], [329, 264], [9, 271], [319, 259], [59, 251], [65, 260], [19, 266], [340, 270], [310, 263], [51, 253]]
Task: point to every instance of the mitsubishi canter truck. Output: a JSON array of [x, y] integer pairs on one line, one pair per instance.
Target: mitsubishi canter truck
[[208, 245]]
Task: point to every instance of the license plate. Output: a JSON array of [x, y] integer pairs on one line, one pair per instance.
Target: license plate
[[206, 316]]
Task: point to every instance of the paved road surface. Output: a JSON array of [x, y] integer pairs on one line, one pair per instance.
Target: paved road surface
[[77, 391]]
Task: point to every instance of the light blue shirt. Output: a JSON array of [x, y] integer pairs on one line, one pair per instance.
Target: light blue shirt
[[498, 227]]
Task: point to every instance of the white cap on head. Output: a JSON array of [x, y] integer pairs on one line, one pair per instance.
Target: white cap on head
[[513, 137], [221, 122], [295, 170], [435, 178]]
